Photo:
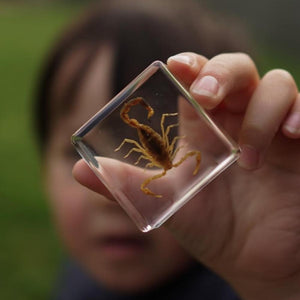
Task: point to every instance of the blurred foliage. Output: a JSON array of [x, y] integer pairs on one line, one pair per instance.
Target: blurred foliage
[[272, 21], [30, 253]]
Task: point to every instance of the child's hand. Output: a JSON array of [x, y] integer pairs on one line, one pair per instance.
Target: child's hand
[[245, 225]]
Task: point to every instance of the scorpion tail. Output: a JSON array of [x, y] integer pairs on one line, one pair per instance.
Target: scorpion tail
[[125, 111]]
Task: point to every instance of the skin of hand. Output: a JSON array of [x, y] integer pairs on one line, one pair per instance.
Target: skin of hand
[[245, 225]]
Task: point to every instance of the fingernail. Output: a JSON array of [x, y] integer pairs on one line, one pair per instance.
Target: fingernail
[[249, 158], [292, 124], [183, 59], [206, 86]]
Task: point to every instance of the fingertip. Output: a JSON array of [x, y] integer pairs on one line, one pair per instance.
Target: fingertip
[[291, 126], [224, 75], [186, 66], [205, 90], [77, 168], [83, 174], [185, 59]]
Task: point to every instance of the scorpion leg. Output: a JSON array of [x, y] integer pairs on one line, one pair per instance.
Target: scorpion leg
[[130, 142], [149, 165], [171, 147], [152, 164], [166, 137], [138, 149], [141, 157], [164, 132], [133, 150], [175, 152], [146, 190], [188, 154]]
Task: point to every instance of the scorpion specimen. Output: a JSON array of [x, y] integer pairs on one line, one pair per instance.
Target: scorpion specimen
[[155, 148]]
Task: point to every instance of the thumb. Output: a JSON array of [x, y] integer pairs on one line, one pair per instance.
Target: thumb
[[85, 176], [123, 182], [112, 177]]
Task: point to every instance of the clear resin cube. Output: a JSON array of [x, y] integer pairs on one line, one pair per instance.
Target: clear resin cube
[[154, 147]]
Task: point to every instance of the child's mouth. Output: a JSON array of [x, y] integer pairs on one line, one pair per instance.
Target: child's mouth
[[121, 247]]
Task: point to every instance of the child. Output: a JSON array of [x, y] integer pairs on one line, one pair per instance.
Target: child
[[92, 61]]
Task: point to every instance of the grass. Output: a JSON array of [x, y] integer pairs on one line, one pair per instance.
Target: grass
[[30, 253], [271, 57]]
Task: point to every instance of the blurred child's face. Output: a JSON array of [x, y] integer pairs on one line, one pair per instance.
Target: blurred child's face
[[94, 229]]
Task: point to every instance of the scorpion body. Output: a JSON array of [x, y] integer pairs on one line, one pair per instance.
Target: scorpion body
[[154, 147]]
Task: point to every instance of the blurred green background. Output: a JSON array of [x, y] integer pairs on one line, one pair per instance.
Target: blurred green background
[[30, 253], [29, 250]]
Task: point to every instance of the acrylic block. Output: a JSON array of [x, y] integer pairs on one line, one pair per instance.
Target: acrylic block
[[154, 147]]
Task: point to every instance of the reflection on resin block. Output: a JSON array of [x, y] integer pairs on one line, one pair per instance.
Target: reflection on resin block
[[154, 147]]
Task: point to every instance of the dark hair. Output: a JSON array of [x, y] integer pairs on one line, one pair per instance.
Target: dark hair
[[141, 32]]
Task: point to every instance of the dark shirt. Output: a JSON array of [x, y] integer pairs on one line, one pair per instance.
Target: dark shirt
[[196, 283]]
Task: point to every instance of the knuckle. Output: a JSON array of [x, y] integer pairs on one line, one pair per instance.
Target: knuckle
[[281, 77], [218, 68], [244, 57], [236, 57], [227, 64], [247, 61]]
